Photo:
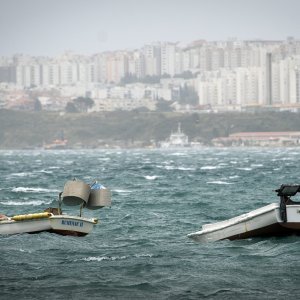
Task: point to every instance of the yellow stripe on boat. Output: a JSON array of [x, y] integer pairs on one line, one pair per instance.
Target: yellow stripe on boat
[[31, 216]]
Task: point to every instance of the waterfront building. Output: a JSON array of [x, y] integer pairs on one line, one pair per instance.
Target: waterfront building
[[289, 138]]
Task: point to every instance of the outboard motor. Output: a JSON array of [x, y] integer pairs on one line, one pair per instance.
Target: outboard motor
[[282, 209], [285, 192]]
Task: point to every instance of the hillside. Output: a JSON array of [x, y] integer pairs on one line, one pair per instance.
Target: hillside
[[21, 130]]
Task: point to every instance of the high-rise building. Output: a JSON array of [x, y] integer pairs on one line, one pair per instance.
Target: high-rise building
[[168, 58], [152, 59]]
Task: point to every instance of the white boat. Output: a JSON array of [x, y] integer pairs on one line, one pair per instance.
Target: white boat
[[39, 222], [176, 140], [53, 220], [275, 219]]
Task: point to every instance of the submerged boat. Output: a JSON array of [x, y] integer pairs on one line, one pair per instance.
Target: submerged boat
[[75, 192], [276, 219]]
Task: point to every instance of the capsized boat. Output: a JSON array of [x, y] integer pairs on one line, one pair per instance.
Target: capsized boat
[[275, 219], [75, 192]]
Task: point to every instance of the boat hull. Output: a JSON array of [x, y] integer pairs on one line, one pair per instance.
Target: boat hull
[[265, 221], [68, 225], [59, 224], [24, 226]]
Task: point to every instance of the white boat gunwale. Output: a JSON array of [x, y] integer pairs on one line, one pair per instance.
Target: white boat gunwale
[[239, 219], [76, 218], [281, 219]]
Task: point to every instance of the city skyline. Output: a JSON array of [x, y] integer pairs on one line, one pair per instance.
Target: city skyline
[[52, 27]]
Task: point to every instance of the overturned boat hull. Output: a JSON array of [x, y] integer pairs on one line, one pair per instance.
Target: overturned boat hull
[[265, 221]]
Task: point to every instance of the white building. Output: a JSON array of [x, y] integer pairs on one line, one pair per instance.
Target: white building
[[152, 59], [168, 58], [28, 75]]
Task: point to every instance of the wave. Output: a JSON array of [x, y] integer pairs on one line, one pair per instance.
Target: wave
[[33, 190], [257, 165], [122, 191], [219, 182], [178, 154], [151, 177], [176, 168], [113, 258], [101, 258], [143, 255], [44, 171], [245, 169], [209, 167], [186, 169], [24, 203], [22, 174], [169, 167]]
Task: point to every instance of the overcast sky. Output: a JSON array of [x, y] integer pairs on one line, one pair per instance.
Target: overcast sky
[[50, 27]]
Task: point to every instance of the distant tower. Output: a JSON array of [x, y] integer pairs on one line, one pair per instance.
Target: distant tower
[[269, 79]]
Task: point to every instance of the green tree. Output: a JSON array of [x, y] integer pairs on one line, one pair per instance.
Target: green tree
[[164, 106], [82, 104], [188, 96], [71, 108]]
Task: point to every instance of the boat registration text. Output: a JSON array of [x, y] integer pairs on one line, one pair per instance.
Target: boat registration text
[[72, 223]]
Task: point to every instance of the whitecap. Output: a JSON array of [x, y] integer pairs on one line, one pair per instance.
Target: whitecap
[[178, 154], [26, 251], [122, 191], [68, 162], [245, 169], [151, 177], [32, 190], [23, 203], [257, 165], [101, 258], [44, 171], [209, 167], [104, 159], [143, 255], [21, 174], [219, 182], [169, 167], [186, 169]]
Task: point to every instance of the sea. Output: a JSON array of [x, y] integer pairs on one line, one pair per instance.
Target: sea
[[140, 249]]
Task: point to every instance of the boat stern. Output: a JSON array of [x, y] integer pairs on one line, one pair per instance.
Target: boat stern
[[70, 225]]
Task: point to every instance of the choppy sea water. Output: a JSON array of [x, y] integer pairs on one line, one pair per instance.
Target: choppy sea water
[[140, 249]]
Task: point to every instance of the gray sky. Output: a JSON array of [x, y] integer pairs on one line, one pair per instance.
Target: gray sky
[[50, 27]]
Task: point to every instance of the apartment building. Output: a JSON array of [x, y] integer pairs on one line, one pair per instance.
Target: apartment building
[[232, 73]]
